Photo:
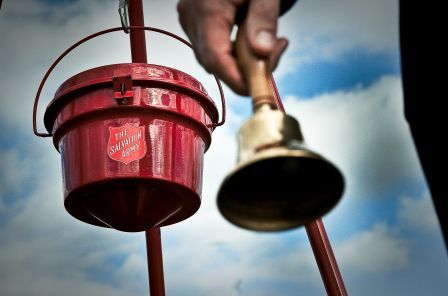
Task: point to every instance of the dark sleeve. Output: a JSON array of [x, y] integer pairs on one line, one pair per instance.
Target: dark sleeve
[[421, 32], [285, 5]]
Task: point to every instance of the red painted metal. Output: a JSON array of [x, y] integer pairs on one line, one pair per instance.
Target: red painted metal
[[326, 261], [122, 86], [137, 38], [155, 262], [128, 192], [75, 45], [153, 239], [161, 188], [320, 244]]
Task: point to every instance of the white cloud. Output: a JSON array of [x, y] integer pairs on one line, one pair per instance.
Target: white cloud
[[54, 285], [376, 250], [417, 213], [371, 251], [50, 251], [13, 171], [321, 30], [363, 131]]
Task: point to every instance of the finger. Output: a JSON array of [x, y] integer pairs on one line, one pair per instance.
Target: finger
[[279, 49], [226, 69], [261, 26], [210, 37], [214, 52], [187, 14]]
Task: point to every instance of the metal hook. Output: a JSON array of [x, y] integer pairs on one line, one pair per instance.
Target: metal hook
[[123, 8]]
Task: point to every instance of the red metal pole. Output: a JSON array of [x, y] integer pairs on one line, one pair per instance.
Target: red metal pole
[[138, 41], [155, 262], [328, 267], [153, 240]]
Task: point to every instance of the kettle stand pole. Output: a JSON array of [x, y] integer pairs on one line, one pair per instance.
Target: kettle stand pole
[[153, 240]]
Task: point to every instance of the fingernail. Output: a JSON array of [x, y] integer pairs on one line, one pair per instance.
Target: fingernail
[[265, 39]]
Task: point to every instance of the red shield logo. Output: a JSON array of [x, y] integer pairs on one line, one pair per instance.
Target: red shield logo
[[126, 143]]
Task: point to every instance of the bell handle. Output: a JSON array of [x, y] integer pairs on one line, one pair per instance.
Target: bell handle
[[256, 71]]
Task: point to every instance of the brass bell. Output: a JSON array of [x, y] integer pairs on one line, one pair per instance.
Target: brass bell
[[278, 183]]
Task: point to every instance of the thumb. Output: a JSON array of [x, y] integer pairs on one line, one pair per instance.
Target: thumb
[[261, 26]]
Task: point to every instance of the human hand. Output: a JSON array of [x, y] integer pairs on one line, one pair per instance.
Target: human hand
[[208, 24]]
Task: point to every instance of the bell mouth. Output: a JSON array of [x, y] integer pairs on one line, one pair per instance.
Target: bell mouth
[[280, 189]]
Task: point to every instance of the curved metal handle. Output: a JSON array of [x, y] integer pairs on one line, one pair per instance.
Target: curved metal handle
[[68, 50]]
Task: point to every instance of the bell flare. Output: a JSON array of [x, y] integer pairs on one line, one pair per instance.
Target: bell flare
[[280, 189]]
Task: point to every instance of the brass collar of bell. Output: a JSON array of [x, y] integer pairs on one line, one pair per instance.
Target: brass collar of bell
[[278, 183]]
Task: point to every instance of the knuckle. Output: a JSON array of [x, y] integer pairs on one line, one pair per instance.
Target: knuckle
[[207, 61], [265, 9]]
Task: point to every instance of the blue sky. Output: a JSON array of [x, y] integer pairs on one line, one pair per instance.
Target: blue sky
[[354, 68], [340, 77]]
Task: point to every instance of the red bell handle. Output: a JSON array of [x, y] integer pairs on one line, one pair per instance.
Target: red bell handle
[[56, 62]]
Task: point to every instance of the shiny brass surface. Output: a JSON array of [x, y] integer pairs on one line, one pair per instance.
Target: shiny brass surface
[[278, 183], [267, 127]]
